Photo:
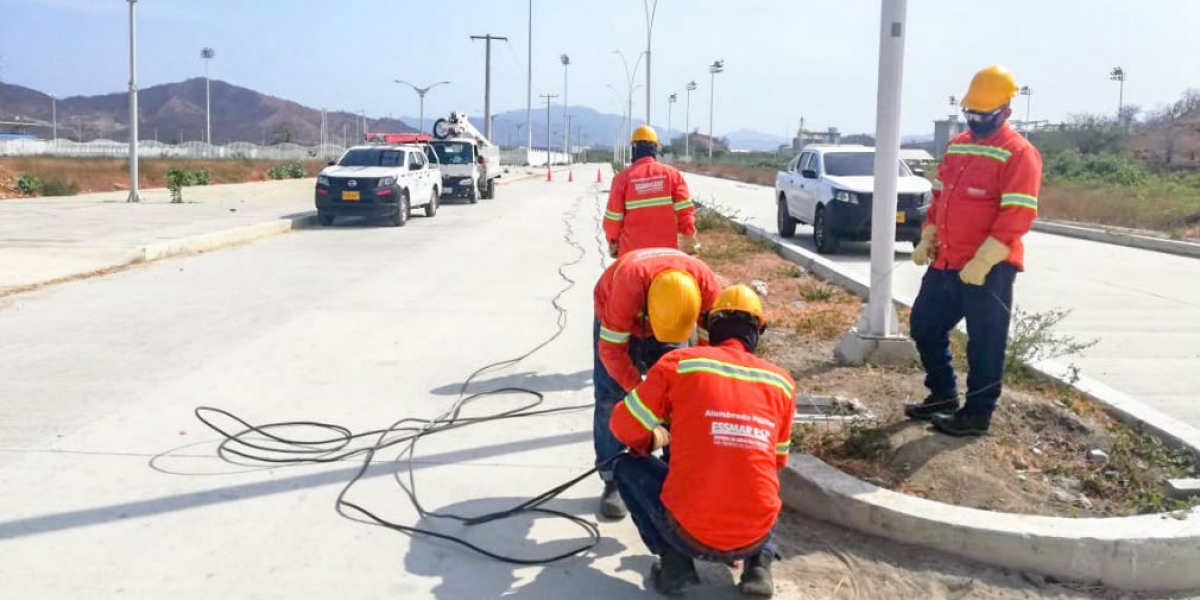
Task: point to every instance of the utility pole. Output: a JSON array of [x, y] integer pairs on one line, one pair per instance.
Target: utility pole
[[651, 10], [421, 93], [518, 126], [133, 105], [718, 66], [548, 98], [687, 119], [670, 105], [207, 54], [487, 81], [566, 62], [529, 80]]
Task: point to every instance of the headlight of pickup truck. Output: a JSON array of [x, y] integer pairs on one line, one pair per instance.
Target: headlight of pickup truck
[[386, 181], [844, 196], [322, 180]]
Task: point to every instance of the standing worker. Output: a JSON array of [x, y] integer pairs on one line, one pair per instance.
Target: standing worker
[[730, 416], [984, 201], [649, 204], [648, 303]]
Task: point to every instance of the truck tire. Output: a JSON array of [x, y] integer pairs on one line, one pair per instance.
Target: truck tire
[[490, 194], [403, 211], [325, 219], [474, 197], [784, 221], [431, 208], [824, 237]]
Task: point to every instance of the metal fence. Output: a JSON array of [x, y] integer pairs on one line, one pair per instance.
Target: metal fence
[[236, 150], [152, 149]]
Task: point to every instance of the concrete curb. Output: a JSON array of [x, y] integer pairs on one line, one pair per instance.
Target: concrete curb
[[1119, 238], [219, 239], [1143, 553]]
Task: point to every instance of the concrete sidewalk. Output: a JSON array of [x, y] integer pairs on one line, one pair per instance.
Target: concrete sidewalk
[[43, 240], [47, 239]]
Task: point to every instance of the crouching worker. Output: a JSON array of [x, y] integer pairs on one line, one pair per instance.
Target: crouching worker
[[730, 417]]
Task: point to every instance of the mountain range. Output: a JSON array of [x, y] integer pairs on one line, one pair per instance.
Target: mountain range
[[175, 112]]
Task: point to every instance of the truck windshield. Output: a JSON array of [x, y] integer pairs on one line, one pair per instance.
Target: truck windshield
[[853, 164], [453, 153], [372, 157]]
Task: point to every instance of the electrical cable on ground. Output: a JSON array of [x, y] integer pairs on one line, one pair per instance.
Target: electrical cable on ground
[[274, 443]]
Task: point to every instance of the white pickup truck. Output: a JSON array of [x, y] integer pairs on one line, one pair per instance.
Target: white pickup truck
[[386, 179], [830, 188]]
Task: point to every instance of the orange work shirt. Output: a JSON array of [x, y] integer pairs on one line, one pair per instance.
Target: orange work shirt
[[649, 205], [620, 302], [984, 188], [730, 414]]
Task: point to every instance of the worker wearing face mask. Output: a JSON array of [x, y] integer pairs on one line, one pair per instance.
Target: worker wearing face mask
[[984, 201]]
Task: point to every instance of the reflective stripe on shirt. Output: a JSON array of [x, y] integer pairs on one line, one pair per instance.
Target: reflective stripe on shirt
[[999, 154], [716, 367]]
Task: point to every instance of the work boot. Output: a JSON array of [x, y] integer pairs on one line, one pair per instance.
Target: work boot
[[611, 504], [673, 573], [756, 577], [962, 423], [932, 405]]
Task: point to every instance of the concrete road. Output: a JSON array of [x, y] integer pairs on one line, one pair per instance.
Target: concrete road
[[1142, 306], [111, 486]]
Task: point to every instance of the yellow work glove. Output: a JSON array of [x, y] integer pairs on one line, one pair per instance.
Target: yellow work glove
[[927, 248], [987, 256], [612, 249], [662, 437], [689, 244]]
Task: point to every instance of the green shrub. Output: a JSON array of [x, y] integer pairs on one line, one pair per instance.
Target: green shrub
[[201, 177], [60, 187], [1070, 165], [29, 185], [296, 170], [293, 170], [177, 178]]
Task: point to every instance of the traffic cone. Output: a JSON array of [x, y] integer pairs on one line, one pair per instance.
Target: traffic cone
[[549, 174], [599, 179], [570, 176]]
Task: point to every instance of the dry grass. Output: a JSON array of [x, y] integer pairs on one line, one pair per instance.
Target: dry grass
[[109, 174]]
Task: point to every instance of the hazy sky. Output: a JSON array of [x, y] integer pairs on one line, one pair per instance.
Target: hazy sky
[[784, 59]]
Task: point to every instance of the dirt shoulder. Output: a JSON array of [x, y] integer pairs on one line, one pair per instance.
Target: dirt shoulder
[[1036, 459]]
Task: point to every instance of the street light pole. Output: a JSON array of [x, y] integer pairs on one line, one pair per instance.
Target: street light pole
[[687, 122], [54, 117], [718, 66], [566, 62], [421, 91], [133, 105], [670, 104], [1028, 93], [651, 10], [1118, 75], [529, 80], [207, 54]]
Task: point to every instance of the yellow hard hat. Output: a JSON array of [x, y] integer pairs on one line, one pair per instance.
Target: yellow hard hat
[[739, 298], [990, 89], [645, 133], [674, 306]]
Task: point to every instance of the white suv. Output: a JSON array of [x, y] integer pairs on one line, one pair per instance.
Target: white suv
[[830, 188]]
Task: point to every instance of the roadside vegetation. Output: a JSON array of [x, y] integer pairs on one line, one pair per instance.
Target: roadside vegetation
[[1140, 171], [54, 176], [1051, 451]]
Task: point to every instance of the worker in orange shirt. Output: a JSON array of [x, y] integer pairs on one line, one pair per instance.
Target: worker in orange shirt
[[730, 416], [984, 201], [649, 205], [648, 302]]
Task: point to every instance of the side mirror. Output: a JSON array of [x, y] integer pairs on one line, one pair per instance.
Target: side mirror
[[809, 174]]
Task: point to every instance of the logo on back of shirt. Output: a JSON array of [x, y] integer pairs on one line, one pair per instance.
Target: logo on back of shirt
[[650, 185]]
